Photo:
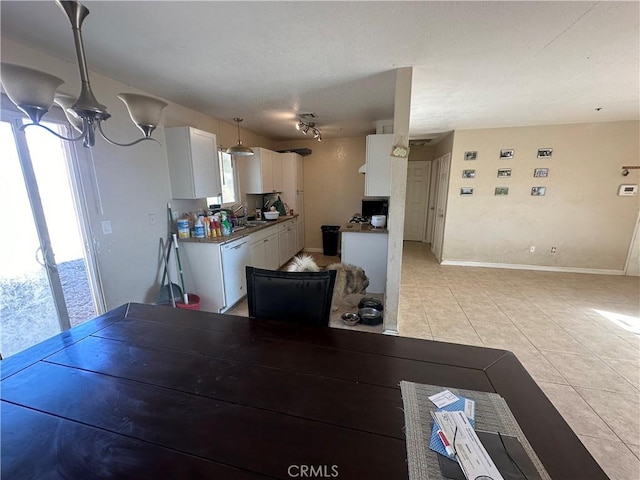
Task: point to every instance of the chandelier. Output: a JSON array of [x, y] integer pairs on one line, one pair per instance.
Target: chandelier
[[34, 92], [304, 127]]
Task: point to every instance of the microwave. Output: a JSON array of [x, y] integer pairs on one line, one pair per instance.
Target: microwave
[[375, 206]]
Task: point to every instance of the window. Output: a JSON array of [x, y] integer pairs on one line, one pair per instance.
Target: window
[[228, 180]]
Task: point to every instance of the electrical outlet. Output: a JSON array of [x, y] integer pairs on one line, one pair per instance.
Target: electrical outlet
[[554, 250], [532, 249], [106, 227]]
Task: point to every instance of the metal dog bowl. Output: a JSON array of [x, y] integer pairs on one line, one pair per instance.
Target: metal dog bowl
[[350, 319], [370, 316]]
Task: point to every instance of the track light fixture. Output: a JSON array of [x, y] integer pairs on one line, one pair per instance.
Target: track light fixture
[[304, 127], [34, 92]]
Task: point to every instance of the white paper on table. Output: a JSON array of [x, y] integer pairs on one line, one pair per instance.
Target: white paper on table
[[470, 453], [443, 398]]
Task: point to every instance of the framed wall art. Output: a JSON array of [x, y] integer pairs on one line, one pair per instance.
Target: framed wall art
[[506, 154], [545, 152], [466, 191], [502, 191], [538, 191], [541, 172], [504, 172], [468, 174], [471, 155]]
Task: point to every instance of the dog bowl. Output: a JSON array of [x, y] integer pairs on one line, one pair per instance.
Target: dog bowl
[[370, 316], [369, 302], [350, 319], [271, 215]]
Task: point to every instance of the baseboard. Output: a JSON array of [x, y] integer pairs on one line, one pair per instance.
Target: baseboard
[[316, 250], [395, 333], [543, 268]]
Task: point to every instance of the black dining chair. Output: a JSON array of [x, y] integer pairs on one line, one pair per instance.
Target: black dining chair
[[303, 297]]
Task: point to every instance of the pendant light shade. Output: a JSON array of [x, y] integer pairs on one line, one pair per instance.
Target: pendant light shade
[[239, 149], [146, 112], [31, 90], [66, 102]]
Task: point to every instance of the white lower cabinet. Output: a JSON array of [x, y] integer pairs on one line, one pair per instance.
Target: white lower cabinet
[[300, 235], [287, 240], [236, 256], [264, 252], [202, 270]]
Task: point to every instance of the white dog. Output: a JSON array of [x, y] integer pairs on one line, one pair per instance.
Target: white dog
[[303, 263]]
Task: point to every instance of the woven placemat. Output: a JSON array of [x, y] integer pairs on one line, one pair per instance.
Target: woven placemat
[[492, 415]]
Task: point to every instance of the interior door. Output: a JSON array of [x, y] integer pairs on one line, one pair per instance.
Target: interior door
[[441, 206], [44, 284], [431, 205], [415, 215]]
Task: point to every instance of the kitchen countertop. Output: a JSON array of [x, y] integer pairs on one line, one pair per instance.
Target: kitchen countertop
[[240, 233], [361, 228]]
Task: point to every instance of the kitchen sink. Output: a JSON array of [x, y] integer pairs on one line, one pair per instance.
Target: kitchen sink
[[256, 223]]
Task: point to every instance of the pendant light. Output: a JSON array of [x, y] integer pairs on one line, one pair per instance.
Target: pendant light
[[34, 92], [239, 149]]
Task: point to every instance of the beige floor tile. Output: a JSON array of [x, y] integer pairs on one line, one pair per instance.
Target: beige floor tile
[[618, 462], [629, 369], [554, 339], [577, 412], [588, 371], [502, 335], [608, 345], [619, 411], [635, 449], [538, 366]]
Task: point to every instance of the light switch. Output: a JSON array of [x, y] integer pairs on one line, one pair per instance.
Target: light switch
[[106, 227], [152, 219]]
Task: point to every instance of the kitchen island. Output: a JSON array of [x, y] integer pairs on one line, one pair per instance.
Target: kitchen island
[[366, 247]]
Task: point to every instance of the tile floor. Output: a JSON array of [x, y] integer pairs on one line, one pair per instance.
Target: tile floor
[[578, 335]]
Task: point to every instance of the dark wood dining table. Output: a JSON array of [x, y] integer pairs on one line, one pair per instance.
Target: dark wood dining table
[[153, 392]]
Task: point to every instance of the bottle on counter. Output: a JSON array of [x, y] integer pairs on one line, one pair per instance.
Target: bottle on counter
[[183, 228], [199, 228], [225, 225]]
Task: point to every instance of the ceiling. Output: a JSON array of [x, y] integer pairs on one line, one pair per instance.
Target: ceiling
[[475, 64]]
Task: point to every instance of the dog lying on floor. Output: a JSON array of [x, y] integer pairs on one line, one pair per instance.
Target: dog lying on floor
[[349, 278]]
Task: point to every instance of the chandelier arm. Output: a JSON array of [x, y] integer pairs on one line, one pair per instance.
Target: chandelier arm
[[68, 139], [102, 134]]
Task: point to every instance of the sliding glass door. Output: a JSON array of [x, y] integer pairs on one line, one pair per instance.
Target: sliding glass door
[[46, 280]]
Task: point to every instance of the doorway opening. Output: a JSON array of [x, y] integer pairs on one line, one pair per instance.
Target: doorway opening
[[48, 275]]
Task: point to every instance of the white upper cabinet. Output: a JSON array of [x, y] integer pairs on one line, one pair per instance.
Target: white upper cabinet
[[193, 163], [377, 180], [262, 171], [293, 187]]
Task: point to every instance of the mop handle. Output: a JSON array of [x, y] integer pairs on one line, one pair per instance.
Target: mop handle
[[184, 291]]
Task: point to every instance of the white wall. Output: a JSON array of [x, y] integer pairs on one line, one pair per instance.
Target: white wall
[[132, 182], [581, 213]]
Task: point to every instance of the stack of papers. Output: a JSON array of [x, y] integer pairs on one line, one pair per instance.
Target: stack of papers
[[455, 417]]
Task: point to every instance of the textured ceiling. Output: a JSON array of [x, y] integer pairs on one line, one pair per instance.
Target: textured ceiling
[[476, 64]]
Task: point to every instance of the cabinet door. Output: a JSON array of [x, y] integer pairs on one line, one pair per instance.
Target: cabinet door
[[283, 249], [276, 169], [193, 163], [377, 181], [206, 168], [292, 244], [258, 254], [256, 171], [300, 235], [272, 255]]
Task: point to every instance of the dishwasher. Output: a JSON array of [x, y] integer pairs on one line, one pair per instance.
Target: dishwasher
[[236, 255]]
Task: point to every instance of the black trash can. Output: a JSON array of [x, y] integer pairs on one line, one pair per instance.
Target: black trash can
[[330, 239]]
